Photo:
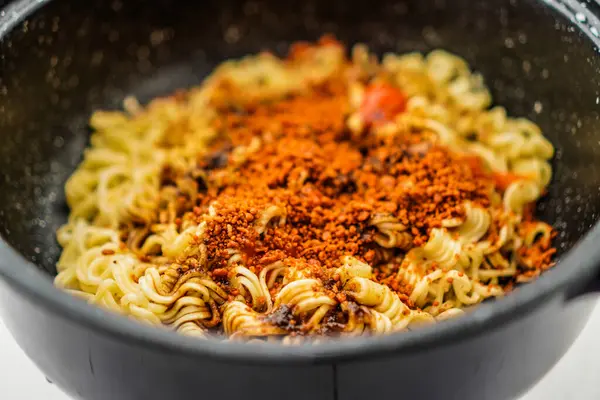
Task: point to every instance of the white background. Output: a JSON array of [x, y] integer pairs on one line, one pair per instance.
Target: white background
[[576, 377]]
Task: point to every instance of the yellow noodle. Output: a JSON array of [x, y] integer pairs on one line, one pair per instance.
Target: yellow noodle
[[159, 271]]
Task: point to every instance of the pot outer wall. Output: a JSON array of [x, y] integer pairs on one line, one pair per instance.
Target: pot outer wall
[[496, 365], [72, 57]]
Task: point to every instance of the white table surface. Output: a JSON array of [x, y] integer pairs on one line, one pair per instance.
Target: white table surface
[[575, 377]]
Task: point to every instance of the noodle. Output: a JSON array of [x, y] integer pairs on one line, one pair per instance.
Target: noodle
[[308, 196]]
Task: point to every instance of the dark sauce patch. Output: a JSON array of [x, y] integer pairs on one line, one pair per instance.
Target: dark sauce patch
[[283, 318]]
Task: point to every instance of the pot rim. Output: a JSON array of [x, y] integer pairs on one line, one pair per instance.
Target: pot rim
[[577, 266]]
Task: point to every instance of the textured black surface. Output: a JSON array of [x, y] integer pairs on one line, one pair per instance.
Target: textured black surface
[[72, 57]]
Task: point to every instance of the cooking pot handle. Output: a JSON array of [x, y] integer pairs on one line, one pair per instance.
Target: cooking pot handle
[[586, 256], [591, 287]]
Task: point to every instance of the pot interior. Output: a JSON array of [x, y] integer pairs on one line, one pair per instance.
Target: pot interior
[[71, 57]]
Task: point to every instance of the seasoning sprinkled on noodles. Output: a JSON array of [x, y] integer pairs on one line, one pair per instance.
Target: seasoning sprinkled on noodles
[[312, 195]]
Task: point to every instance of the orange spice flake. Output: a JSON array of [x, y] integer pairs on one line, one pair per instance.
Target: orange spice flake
[[381, 103]]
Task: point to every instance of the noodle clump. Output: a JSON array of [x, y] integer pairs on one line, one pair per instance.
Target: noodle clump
[[308, 196]]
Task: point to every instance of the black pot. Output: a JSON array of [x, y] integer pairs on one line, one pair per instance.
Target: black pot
[[61, 59]]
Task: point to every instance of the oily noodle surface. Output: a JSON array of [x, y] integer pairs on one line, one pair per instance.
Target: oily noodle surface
[[308, 197]]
